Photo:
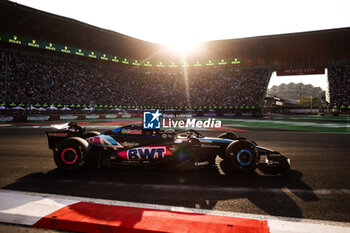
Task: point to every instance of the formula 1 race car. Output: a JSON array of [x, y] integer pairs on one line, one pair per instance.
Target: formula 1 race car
[[131, 145]]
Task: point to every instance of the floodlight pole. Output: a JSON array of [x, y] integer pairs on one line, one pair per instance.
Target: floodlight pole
[[6, 78]]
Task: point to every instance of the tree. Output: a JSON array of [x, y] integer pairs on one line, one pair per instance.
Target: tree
[[305, 102]]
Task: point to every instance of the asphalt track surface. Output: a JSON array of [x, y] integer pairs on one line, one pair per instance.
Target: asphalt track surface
[[317, 187]]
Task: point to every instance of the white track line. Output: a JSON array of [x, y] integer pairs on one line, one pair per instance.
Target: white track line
[[298, 123], [5, 125], [26, 209]]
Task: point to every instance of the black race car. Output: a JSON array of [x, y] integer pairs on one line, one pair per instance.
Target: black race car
[[131, 145]]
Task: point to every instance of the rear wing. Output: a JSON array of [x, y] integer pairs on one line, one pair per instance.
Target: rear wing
[[63, 131]]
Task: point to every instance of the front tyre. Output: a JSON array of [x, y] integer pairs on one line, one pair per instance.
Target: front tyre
[[72, 153], [229, 135], [241, 156]]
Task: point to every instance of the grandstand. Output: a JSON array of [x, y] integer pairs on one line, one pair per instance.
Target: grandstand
[[49, 60], [37, 80]]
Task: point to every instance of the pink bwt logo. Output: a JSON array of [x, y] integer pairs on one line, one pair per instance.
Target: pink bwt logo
[[145, 153]]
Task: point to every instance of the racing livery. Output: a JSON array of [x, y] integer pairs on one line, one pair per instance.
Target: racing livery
[[132, 145]]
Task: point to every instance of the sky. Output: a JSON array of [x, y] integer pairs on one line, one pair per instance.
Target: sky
[[317, 80], [181, 24]]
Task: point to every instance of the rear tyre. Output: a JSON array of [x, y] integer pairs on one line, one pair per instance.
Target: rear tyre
[[241, 156], [72, 153], [90, 134]]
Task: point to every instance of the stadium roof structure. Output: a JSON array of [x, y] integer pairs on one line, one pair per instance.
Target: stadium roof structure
[[307, 49]]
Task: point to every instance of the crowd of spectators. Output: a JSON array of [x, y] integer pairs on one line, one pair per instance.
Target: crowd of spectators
[[32, 79], [339, 84]]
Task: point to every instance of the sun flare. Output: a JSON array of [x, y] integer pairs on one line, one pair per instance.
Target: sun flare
[[183, 46]]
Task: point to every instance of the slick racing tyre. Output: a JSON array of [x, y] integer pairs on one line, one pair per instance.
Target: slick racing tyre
[[241, 156], [229, 135], [71, 153], [90, 134]]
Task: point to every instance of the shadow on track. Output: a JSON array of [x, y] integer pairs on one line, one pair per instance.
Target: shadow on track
[[196, 189]]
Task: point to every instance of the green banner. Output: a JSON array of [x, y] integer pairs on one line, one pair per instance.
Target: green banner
[[16, 39]]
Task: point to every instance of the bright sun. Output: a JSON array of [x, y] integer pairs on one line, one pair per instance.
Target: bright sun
[[183, 46]]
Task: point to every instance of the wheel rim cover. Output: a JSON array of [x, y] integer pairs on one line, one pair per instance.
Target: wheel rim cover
[[69, 156], [245, 157]]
